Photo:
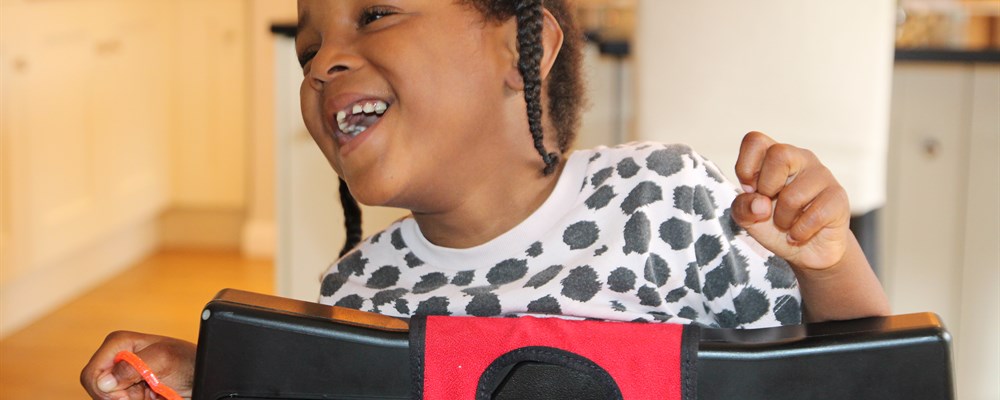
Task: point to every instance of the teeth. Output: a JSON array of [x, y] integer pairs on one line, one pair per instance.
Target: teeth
[[377, 107]]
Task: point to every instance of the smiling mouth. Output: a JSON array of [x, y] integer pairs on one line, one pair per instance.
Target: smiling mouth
[[358, 117]]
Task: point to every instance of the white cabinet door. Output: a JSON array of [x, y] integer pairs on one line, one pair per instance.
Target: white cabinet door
[[85, 116], [978, 352], [52, 194], [209, 140], [943, 213], [927, 185], [129, 114]]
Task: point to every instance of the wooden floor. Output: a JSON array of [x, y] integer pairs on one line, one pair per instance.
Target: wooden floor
[[163, 294]]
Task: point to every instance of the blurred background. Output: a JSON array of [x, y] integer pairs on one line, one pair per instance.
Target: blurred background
[[153, 152]]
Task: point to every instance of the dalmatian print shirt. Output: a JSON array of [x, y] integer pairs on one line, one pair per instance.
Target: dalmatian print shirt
[[638, 232]]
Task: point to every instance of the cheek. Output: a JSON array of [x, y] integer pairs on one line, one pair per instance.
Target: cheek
[[309, 104], [453, 73], [312, 116], [452, 97]]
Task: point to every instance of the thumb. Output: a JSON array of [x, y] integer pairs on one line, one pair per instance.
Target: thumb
[[751, 208], [120, 376]]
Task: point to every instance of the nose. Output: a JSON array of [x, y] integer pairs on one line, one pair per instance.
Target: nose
[[331, 62]]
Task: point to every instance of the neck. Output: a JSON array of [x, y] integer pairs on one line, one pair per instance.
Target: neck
[[487, 209]]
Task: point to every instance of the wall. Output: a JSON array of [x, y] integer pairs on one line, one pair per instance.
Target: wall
[[815, 74], [259, 237]]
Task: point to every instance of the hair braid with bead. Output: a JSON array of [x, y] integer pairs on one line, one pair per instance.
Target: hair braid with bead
[[530, 51]]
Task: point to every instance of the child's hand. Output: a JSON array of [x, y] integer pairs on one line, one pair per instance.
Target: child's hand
[[172, 360], [793, 205]]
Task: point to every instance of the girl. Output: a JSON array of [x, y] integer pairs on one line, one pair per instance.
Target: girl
[[463, 112]]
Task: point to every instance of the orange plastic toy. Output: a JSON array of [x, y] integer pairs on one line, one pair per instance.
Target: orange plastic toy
[[140, 366]]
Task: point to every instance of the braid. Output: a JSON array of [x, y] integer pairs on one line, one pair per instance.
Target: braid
[[529, 44], [352, 218]]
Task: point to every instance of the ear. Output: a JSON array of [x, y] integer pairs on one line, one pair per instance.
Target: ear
[[552, 40]]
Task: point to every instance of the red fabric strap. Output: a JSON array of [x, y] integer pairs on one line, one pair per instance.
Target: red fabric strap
[[643, 359]]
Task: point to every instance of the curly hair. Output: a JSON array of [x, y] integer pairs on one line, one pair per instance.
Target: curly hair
[[565, 84]]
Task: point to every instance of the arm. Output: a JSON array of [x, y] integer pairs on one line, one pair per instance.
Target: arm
[[795, 208]]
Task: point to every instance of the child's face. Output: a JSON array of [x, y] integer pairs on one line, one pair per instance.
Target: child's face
[[429, 77]]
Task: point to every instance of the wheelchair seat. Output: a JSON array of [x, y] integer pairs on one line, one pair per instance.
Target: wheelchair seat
[[254, 346]]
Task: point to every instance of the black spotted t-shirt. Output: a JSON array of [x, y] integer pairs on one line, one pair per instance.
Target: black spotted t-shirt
[[637, 232]]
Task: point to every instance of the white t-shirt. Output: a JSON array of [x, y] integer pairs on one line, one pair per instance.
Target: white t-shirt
[[638, 232]]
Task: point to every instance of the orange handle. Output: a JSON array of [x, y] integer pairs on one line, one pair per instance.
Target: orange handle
[[140, 366]]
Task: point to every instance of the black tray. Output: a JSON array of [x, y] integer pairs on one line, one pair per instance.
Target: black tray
[[254, 346]]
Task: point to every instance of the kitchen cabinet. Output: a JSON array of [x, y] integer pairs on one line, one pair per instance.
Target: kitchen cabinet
[[85, 124], [85, 121], [210, 100], [943, 208], [113, 111]]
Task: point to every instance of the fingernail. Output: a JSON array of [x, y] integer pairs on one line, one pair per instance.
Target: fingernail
[[107, 383], [748, 189], [791, 241], [759, 206]]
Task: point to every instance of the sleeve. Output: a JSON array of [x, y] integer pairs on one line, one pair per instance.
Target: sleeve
[[743, 284]]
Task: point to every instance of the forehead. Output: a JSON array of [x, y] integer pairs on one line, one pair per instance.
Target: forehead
[[314, 13], [310, 9]]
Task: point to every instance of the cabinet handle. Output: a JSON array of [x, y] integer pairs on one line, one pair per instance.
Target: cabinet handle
[[20, 65], [931, 147], [108, 47]]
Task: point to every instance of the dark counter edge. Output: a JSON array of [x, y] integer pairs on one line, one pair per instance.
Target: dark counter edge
[[284, 29], [946, 55]]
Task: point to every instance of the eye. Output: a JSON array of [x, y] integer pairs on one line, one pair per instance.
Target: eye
[[305, 57], [372, 14]]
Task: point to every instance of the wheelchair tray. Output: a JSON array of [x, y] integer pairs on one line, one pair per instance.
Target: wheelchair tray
[[254, 346]]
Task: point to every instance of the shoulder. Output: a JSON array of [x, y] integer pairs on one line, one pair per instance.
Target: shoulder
[[635, 151], [644, 161]]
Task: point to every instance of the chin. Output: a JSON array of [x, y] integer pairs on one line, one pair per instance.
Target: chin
[[371, 192]]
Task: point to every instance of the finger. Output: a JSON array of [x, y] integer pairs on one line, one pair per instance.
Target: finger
[[781, 163], [830, 209], [137, 392], [751, 156], [103, 361], [751, 208], [121, 376], [795, 197], [172, 362]]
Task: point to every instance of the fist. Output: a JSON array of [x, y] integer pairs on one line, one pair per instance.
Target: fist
[[792, 204], [171, 359]]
